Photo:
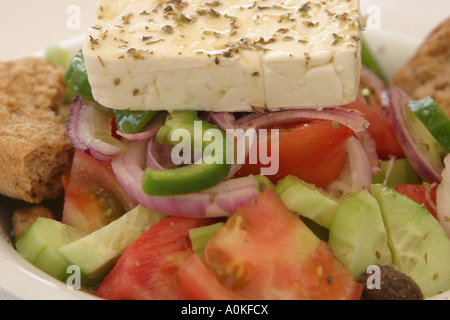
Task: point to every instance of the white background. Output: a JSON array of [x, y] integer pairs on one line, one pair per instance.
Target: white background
[[27, 26]]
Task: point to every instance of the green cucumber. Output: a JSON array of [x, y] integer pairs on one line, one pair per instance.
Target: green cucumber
[[420, 248], [39, 244], [396, 171], [434, 119], [96, 253], [200, 237], [357, 235], [306, 200]]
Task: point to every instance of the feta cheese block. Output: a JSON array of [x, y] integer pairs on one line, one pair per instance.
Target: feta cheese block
[[224, 55]]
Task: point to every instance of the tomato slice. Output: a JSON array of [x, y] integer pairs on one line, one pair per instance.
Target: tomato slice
[[381, 128], [421, 193], [313, 151], [93, 196], [265, 252], [149, 268], [199, 283]]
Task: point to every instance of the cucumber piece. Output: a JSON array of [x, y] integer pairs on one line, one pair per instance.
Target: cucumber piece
[[396, 171], [436, 122], [307, 200], [96, 253], [425, 138], [420, 248], [39, 244], [200, 237], [357, 235], [264, 183]]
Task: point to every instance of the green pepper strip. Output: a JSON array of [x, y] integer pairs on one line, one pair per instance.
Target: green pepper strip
[[434, 119], [199, 176], [131, 122], [76, 78], [369, 60]]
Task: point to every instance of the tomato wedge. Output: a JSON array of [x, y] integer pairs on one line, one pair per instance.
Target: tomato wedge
[[313, 151], [93, 196], [148, 269], [421, 193], [265, 252], [380, 127]]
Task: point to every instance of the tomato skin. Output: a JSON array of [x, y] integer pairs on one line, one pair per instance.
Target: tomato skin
[[149, 268], [313, 151], [90, 191], [381, 128], [265, 252], [422, 194]]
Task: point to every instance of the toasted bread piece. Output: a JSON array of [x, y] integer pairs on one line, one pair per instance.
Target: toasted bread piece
[[34, 148], [427, 73], [34, 81]]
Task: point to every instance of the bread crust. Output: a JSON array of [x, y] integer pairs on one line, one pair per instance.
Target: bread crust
[[427, 73], [34, 148]]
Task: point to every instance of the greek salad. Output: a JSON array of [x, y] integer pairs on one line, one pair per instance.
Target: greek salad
[[356, 208]]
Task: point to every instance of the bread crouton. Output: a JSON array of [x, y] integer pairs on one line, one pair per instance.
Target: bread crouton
[[34, 149], [33, 81], [427, 73]]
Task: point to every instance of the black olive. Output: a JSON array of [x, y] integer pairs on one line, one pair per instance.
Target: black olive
[[393, 285]]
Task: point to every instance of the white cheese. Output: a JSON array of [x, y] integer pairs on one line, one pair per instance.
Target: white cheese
[[224, 55]]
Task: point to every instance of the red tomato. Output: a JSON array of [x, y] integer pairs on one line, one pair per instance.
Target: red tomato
[[93, 196], [265, 252], [199, 283], [422, 194], [149, 268], [380, 127], [313, 151]]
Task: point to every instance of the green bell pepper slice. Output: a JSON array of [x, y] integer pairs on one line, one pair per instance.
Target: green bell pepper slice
[[76, 78], [203, 174], [434, 119], [131, 122], [369, 60]]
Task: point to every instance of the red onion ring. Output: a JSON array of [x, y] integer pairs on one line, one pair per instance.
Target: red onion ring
[[348, 117], [89, 130], [221, 200], [370, 146], [371, 81], [359, 163], [427, 168]]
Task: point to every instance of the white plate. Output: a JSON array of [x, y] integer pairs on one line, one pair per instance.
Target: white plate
[[21, 280]]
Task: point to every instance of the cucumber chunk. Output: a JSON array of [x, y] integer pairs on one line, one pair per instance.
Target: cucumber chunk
[[306, 200], [39, 244], [396, 171], [434, 119], [420, 248], [96, 253], [200, 237], [357, 235]]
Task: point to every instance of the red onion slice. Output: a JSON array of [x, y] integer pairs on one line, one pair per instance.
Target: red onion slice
[[221, 200], [370, 146], [425, 166], [89, 130], [371, 81], [348, 117], [360, 165]]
